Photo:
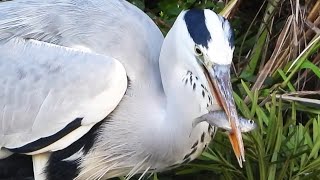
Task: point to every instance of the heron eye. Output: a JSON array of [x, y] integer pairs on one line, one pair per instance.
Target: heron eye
[[251, 121], [197, 51]]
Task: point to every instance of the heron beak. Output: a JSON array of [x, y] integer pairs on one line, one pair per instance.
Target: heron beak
[[220, 86]]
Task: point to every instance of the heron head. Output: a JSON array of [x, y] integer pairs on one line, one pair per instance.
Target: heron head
[[210, 39]]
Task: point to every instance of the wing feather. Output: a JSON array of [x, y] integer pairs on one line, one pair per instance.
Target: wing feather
[[44, 87]]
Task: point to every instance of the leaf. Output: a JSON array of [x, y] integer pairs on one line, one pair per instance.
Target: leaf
[[316, 138], [309, 65]]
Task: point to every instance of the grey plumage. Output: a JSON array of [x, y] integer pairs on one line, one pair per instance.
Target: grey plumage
[[41, 95]]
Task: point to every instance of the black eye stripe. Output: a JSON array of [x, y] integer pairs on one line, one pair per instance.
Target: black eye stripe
[[197, 28]]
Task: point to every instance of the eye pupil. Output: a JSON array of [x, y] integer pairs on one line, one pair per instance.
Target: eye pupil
[[198, 51]]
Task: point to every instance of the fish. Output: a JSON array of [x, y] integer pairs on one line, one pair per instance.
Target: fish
[[219, 119]]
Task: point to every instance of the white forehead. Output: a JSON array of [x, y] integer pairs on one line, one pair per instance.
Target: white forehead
[[220, 47]]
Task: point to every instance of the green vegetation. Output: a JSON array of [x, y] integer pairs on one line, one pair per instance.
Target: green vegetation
[[276, 82]]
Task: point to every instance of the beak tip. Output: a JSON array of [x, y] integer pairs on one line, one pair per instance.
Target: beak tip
[[240, 162], [237, 148]]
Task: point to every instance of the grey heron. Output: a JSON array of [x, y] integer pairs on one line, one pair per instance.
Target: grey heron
[[91, 89]]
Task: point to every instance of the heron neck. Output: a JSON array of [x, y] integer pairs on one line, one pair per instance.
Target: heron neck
[[182, 100]]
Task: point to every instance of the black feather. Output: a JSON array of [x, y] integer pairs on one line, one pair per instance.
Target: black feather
[[46, 141], [197, 28]]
